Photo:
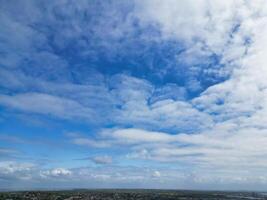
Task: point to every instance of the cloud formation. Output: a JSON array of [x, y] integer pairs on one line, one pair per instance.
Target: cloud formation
[[102, 160], [165, 83]]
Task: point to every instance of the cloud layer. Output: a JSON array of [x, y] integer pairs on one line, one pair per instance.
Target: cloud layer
[[177, 86]]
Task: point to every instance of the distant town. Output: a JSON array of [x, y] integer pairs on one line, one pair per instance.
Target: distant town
[[129, 195]]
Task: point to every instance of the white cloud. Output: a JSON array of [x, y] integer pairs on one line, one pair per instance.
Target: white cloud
[[6, 152], [191, 21], [109, 138], [156, 174], [137, 136], [138, 103], [10, 170], [237, 106], [164, 114], [90, 142], [102, 159], [206, 28], [226, 146], [46, 104], [57, 172]]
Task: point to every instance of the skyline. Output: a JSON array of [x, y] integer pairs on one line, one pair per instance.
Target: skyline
[[133, 94]]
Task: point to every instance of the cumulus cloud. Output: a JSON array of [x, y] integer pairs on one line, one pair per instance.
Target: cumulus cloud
[[156, 174], [145, 106], [129, 101], [223, 29], [95, 94], [211, 22], [56, 173], [125, 176], [10, 170]]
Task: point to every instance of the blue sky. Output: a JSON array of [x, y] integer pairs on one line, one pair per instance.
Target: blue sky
[[133, 94]]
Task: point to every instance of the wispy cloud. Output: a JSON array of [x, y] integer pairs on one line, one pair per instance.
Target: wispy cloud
[[46, 104], [102, 159]]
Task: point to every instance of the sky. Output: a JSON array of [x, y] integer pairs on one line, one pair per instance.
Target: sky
[[133, 94]]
